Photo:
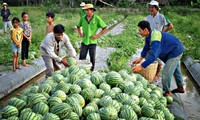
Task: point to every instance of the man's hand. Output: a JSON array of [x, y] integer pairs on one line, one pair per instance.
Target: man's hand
[[136, 61], [64, 62], [94, 37], [137, 69], [18, 46]]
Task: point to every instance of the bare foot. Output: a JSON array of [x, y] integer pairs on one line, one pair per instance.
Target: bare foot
[[14, 70], [26, 65], [18, 67]]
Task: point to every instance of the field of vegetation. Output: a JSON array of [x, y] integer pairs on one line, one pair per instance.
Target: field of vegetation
[[185, 21]]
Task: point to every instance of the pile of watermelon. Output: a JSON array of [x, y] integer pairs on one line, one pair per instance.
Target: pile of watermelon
[[78, 94]]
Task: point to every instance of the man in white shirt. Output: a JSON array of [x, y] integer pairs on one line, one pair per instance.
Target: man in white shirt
[[50, 49], [158, 22]]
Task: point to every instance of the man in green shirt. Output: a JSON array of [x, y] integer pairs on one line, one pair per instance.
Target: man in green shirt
[[90, 24]]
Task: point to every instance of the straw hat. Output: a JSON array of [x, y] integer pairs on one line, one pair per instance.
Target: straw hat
[[89, 6], [4, 4], [82, 4]]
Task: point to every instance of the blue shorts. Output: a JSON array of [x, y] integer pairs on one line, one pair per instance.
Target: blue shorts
[[15, 48]]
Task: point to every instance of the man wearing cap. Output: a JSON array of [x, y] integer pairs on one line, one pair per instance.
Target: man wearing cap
[[158, 22], [82, 11], [166, 47], [6, 15], [90, 23]]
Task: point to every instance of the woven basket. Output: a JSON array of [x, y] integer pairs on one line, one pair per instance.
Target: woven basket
[[150, 71]]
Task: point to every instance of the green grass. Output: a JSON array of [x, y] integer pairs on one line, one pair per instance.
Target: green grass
[[125, 43]]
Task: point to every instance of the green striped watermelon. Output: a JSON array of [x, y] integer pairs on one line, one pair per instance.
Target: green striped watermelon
[[19, 104], [51, 116], [45, 88], [63, 110], [9, 111], [60, 94], [93, 116], [127, 113], [71, 61], [75, 88], [113, 78], [108, 113], [41, 108], [148, 111], [13, 118]]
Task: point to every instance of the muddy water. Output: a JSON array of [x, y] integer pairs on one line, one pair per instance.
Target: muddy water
[[191, 97]]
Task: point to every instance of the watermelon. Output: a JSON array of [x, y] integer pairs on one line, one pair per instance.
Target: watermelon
[[34, 89], [109, 93], [9, 111], [73, 78], [71, 61], [79, 98], [57, 77], [87, 93], [63, 110], [41, 108], [75, 89], [51, 116], [73, 69], [98, 93], [52, 101], [127, 113], [77, 109], [93, 116], [13, 118], [104, 86], [108, 113], [65, 72], [117, 105], [19, 104], [113, 78], [96, 78], [122, 97], [148, 111], [45, 88], [60, 94], [116, 90], [88, 109], [85, 83], [63, 86], [26, 110], [35, 98], [169, 99], [105, 101], [29, 116]]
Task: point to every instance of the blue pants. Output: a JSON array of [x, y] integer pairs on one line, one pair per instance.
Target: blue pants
[[172, 67]]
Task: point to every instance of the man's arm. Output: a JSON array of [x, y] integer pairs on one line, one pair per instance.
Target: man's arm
[[169, 27], [99, 34], [69, 46]]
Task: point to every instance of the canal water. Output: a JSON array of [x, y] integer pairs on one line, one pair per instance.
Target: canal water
[[191, 97]]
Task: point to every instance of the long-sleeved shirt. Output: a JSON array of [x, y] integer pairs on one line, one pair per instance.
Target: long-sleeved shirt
[[5, 14], [49, 46], [161, 45]]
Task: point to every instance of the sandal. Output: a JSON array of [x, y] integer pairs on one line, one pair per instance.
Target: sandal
[[177, 90], [167, 94]]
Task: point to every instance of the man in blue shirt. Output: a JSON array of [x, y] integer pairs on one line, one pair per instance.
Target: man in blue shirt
[[167, 48]]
